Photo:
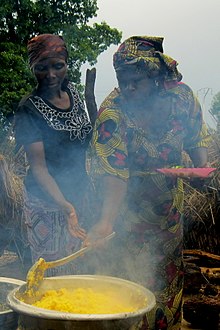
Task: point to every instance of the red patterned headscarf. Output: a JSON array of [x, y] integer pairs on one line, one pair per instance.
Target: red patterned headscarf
[[147, 53], [44, 46]]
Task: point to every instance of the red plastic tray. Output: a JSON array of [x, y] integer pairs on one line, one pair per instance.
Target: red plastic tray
[[188, 172]]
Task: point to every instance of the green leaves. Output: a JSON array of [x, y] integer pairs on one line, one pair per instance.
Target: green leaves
[[15, 76], [86, 43], [22, 19]]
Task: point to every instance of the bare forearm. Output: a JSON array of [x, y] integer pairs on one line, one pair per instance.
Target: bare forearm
[[49, 185], [199, 157], [114, 193], [36, 158], [114, 190]]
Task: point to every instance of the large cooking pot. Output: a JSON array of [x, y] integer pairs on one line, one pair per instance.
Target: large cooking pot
[[32, 318], [8, 318]]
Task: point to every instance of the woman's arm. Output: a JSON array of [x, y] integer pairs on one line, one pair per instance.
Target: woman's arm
[[199, 156], [198, 138], [114, 190], [109, 168], [36, 157]]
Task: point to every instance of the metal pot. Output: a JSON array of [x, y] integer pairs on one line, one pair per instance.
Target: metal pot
[[8, 318], [32, 318]]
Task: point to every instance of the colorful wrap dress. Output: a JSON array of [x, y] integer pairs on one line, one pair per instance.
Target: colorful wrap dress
[[148, 245]]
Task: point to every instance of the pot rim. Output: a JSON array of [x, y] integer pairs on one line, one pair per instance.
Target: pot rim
[[11, 280], [14, 281], [33, 311]]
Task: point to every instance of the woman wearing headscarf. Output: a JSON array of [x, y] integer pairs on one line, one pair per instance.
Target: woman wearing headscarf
[[142, 126], [54, 129]]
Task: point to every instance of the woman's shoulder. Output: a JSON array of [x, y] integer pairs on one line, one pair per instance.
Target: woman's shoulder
[[111, 101], [173, 86], [179, 88], [182, 93], [71, 87], [75, 97], [184, 87], [110, 108], [26, 101]]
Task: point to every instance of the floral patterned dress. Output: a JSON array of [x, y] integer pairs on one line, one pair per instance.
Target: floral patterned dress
[[148, 246]]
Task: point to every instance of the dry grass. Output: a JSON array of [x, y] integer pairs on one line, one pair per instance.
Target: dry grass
[[12, 198], [202, 207], [12, 193]]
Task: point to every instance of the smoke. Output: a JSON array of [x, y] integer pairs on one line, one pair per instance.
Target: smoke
[[116, 258]]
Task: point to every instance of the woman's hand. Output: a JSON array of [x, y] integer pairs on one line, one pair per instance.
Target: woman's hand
[[73, 226], [98, 233]]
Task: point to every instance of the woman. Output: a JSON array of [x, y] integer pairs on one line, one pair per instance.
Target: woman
[[144, 125], [54, 129]]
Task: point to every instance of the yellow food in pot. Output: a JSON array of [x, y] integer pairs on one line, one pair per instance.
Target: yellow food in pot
[[84, 301]]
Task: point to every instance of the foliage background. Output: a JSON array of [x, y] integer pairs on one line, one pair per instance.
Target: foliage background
[[22, 19]]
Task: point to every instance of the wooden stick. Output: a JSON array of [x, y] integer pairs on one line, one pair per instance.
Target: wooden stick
[[202, 253]]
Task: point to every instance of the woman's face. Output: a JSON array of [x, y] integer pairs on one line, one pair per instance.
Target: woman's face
[[50, 73], [135, 85]]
